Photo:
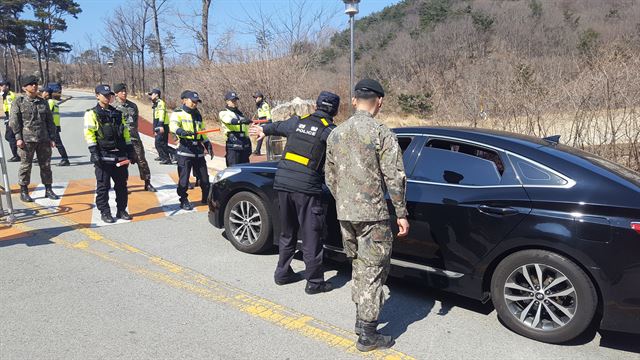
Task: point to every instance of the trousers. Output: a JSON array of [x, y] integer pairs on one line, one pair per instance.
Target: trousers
[[43, 151], [301, 216], [369, 245]]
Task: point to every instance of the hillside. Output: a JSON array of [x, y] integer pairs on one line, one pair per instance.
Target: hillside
[[516, 65]]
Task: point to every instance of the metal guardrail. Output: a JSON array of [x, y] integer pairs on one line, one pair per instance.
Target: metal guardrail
[[5, 188]]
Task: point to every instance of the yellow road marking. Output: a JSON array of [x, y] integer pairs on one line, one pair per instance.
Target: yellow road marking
[[168, 273]]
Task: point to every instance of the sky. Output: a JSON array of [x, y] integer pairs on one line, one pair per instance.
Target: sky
[[223, 15]]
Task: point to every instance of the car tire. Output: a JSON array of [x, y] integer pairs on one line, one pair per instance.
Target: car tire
[[537, 312], [247, 223]]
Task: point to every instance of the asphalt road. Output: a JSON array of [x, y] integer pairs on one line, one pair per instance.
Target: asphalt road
[[169, 286]]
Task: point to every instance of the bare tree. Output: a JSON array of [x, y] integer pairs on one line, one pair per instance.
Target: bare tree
[[156, 8]]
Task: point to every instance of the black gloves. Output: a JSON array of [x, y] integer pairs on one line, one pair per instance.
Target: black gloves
[[183, 132], [95, 157], [131, 154], [245, 121], [209, 149]]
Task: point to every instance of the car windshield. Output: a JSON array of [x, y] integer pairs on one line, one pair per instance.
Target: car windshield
[[625, 173]]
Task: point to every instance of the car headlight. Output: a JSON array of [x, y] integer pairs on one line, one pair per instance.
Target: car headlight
[[223, 174]]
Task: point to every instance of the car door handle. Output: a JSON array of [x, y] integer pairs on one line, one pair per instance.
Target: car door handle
[[497, 210]]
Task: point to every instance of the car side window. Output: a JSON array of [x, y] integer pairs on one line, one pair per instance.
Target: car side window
[[531, 173], [404, 142], [451, 162]]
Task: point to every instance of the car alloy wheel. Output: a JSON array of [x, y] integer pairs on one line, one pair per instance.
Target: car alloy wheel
[[245, 223], [540, 297]]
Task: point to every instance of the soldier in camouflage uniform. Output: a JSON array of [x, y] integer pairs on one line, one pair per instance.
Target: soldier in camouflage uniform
[[363, 160], [130, 111], [32, 124]]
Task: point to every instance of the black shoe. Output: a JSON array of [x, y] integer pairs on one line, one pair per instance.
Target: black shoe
[[290, 279], [64, 162], [322, 287], [124, 215], [48, 192], [149, 187], [371, 339], [157, 159], [14, 159], [106, 217], [24, 194], [166, 162], [185, 205]]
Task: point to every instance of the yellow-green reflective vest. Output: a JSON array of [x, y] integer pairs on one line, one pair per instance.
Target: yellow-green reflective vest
[[55, 111], [264, 111], [181, 119], [6, 103], [226, 116]]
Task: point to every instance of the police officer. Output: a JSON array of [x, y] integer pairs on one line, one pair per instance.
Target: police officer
[[31, 122], [263, 112], [299, 180], [130, 112], [236, 129], [8, 97], [48, 94], [185, 122], [109, 141], [160, 126], [363, 160]]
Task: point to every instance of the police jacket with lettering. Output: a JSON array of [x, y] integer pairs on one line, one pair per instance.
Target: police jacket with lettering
[[301, 168]]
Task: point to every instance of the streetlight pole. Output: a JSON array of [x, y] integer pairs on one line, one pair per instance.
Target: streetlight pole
[[110, 65], [351, 9]]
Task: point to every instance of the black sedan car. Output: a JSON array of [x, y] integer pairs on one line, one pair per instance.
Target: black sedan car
[[549, 233]]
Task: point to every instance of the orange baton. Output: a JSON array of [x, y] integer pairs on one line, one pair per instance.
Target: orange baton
[[123, 163]]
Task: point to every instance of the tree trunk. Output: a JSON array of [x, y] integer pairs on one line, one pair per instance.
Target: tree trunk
[[40, 65], [16, 72], [160, 51], [205, 30]]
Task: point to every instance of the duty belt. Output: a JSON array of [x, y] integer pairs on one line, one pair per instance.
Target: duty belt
[[188, 154]]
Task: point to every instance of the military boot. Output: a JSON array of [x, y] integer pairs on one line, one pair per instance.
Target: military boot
[[48, 192], [371, 339], [24, 194], [148, 186]]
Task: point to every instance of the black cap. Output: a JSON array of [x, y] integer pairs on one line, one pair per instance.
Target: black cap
[[104, 89], [48, 90], [370, 85], [258, 94], [188, 94], [28, 80], [119, 87], [5, 82], [154, 91], [231, 95], [328, 102]]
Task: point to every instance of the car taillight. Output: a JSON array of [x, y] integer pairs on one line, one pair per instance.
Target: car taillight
[[636, 226]]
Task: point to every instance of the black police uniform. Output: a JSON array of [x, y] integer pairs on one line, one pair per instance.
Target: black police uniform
[[299, 181], [112, 147]]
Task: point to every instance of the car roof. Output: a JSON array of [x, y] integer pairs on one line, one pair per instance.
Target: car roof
[[478, 134]]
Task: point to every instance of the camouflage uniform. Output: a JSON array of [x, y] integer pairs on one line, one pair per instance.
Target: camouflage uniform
[[32, 122], [363, 160], [130, 111]]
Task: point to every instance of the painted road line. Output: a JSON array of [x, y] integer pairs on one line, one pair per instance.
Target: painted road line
[[165, 272], [38, 195], [195, 194], [143, 205], [79, 200], [167, 196]]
